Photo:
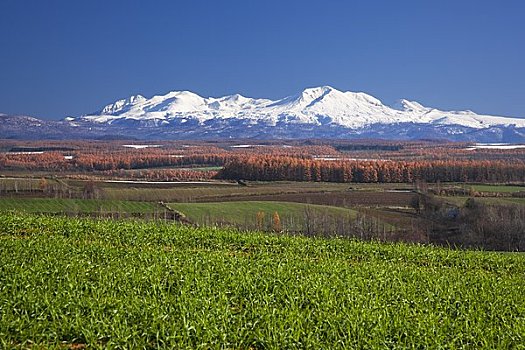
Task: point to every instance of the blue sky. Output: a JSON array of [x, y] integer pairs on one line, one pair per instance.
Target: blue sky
[[60, 58]]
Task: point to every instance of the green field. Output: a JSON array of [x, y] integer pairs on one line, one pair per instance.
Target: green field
[[56, 205], [292, 215], [497, 188], [120, 284], [460, 200]]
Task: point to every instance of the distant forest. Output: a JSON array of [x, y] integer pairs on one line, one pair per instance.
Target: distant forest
[[363, 161]]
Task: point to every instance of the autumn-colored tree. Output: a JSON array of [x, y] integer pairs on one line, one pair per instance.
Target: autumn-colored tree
[[276, 222], [259, 219], [313, 160], [42, 184]]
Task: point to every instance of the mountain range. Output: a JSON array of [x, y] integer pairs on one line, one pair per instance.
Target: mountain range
[[320, 112]]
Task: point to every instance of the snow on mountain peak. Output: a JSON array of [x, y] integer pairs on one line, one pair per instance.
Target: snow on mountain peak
[[234, 97], [316, 105], [362, 97], [306, 98], [317, 92], [122, 104], [406, 105]]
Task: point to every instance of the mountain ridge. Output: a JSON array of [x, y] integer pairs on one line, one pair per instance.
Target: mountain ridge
[[314, 105], [318, 112]]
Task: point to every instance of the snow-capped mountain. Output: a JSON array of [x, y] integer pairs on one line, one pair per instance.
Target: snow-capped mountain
[[320, 112], [314, 106]]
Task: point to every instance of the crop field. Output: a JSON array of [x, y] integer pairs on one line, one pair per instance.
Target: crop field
[[461, 200], [56, 205], [214, 192], [338, 198], [71, 283], [247, 214], [18, 184], [497, 188]]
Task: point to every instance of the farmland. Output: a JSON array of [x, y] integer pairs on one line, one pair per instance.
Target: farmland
[[417, 191], [498, 189], [107, 246], [69, 282], [367, 211], [218, 191], [56, 205], [260, 214]]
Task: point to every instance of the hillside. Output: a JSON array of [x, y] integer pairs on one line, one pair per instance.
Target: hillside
[[68, 283]]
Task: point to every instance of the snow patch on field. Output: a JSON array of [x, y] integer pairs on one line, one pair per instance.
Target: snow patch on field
[[141, 146], [494, 146], [29, 152]]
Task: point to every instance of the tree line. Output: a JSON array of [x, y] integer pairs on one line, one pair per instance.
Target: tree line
[[274, 168]]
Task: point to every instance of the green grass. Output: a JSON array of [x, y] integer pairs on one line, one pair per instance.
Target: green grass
[[113, 284], [460, 200], [516, 200], [56, 205], [497, 188], [292, 215]]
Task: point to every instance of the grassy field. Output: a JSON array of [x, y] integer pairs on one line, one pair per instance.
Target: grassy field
[[497, 188], [460, 200], [345, 199], [113, 284], [56, 205], [291, 215], [516, 200]]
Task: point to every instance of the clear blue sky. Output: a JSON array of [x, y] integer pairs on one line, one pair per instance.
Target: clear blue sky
[[60, 58]]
